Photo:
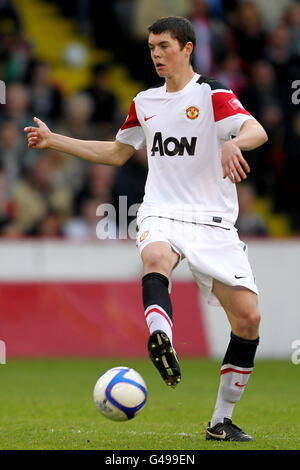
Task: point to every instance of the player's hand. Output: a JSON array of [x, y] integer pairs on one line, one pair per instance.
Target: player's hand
[[38, 137], [234, 165]]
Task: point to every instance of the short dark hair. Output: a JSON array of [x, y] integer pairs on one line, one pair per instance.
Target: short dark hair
[[179, 28]]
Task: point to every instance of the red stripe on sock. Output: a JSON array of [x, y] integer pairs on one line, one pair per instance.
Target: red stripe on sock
[[161, 313], [229, 369]]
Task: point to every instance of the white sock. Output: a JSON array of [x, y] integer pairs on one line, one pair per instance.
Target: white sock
[[232, 384], [158, 319]]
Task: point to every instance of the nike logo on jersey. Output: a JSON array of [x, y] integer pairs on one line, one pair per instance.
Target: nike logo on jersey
[[239, 385], [218, 436], [150, 117], [240, 277]]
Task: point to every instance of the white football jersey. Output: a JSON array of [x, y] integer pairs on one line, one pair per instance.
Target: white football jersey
[[184, 132]]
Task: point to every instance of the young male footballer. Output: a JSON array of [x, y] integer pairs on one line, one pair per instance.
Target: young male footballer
[[194, 129]]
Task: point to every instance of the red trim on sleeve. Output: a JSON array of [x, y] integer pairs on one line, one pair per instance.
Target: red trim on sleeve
[[131, 120], [225, 105]]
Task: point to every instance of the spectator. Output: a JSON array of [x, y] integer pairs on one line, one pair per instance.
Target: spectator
[[146, 12], [280, 53], [106, 110], [279, 48], [211, 37], [12, 149], [17, 106], [292, 19], [249, 222], [7, 209], [76, 117], [230, 73], [262, 96], [11, 230], [9, 15], [289, 189], [15, 51], [286, 64], [96, 185], [248, 34], [83, 226], [49, 226], [102, 27], [38, 192], [123, 11], [46, 98], [75, 122]]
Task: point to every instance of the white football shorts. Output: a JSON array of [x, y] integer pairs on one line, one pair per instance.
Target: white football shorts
[[212, 252]]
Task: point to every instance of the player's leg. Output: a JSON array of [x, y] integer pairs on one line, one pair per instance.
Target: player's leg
[[159, 256], [159, 259], [241, 307]]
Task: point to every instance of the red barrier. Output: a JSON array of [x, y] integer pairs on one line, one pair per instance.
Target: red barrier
[[94, 319]]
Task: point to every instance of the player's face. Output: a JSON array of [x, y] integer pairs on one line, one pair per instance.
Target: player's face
[[167, 56]]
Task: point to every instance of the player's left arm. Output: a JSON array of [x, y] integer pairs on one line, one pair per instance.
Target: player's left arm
[[251, 136]]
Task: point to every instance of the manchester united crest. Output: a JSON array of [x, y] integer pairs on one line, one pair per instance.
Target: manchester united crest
[[192, 112], [144, 235]]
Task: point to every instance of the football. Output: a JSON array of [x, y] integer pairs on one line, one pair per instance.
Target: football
[[120, 393]]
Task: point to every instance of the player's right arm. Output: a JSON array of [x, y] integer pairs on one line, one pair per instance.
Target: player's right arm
[[112, 153]]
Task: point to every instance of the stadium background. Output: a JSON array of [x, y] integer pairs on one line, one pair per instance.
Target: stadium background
[[63, 292]]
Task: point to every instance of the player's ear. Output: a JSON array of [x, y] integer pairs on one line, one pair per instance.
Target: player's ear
[[189, 47]]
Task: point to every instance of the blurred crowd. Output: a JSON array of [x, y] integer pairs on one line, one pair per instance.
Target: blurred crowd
[[252, 50]]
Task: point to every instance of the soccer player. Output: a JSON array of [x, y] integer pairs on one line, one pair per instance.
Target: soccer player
[[194, 129]]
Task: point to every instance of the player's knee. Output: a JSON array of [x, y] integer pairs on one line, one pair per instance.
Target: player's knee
[[157, 260], [253, 319], [248, 323]]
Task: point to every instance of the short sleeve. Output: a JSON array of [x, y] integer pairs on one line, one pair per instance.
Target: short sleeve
[[229, 113], [131, 132]]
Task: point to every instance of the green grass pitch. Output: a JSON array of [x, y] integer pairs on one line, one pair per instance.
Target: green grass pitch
[[48, 404]]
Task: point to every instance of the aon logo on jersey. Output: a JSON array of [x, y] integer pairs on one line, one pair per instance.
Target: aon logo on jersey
[[172, 146]]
